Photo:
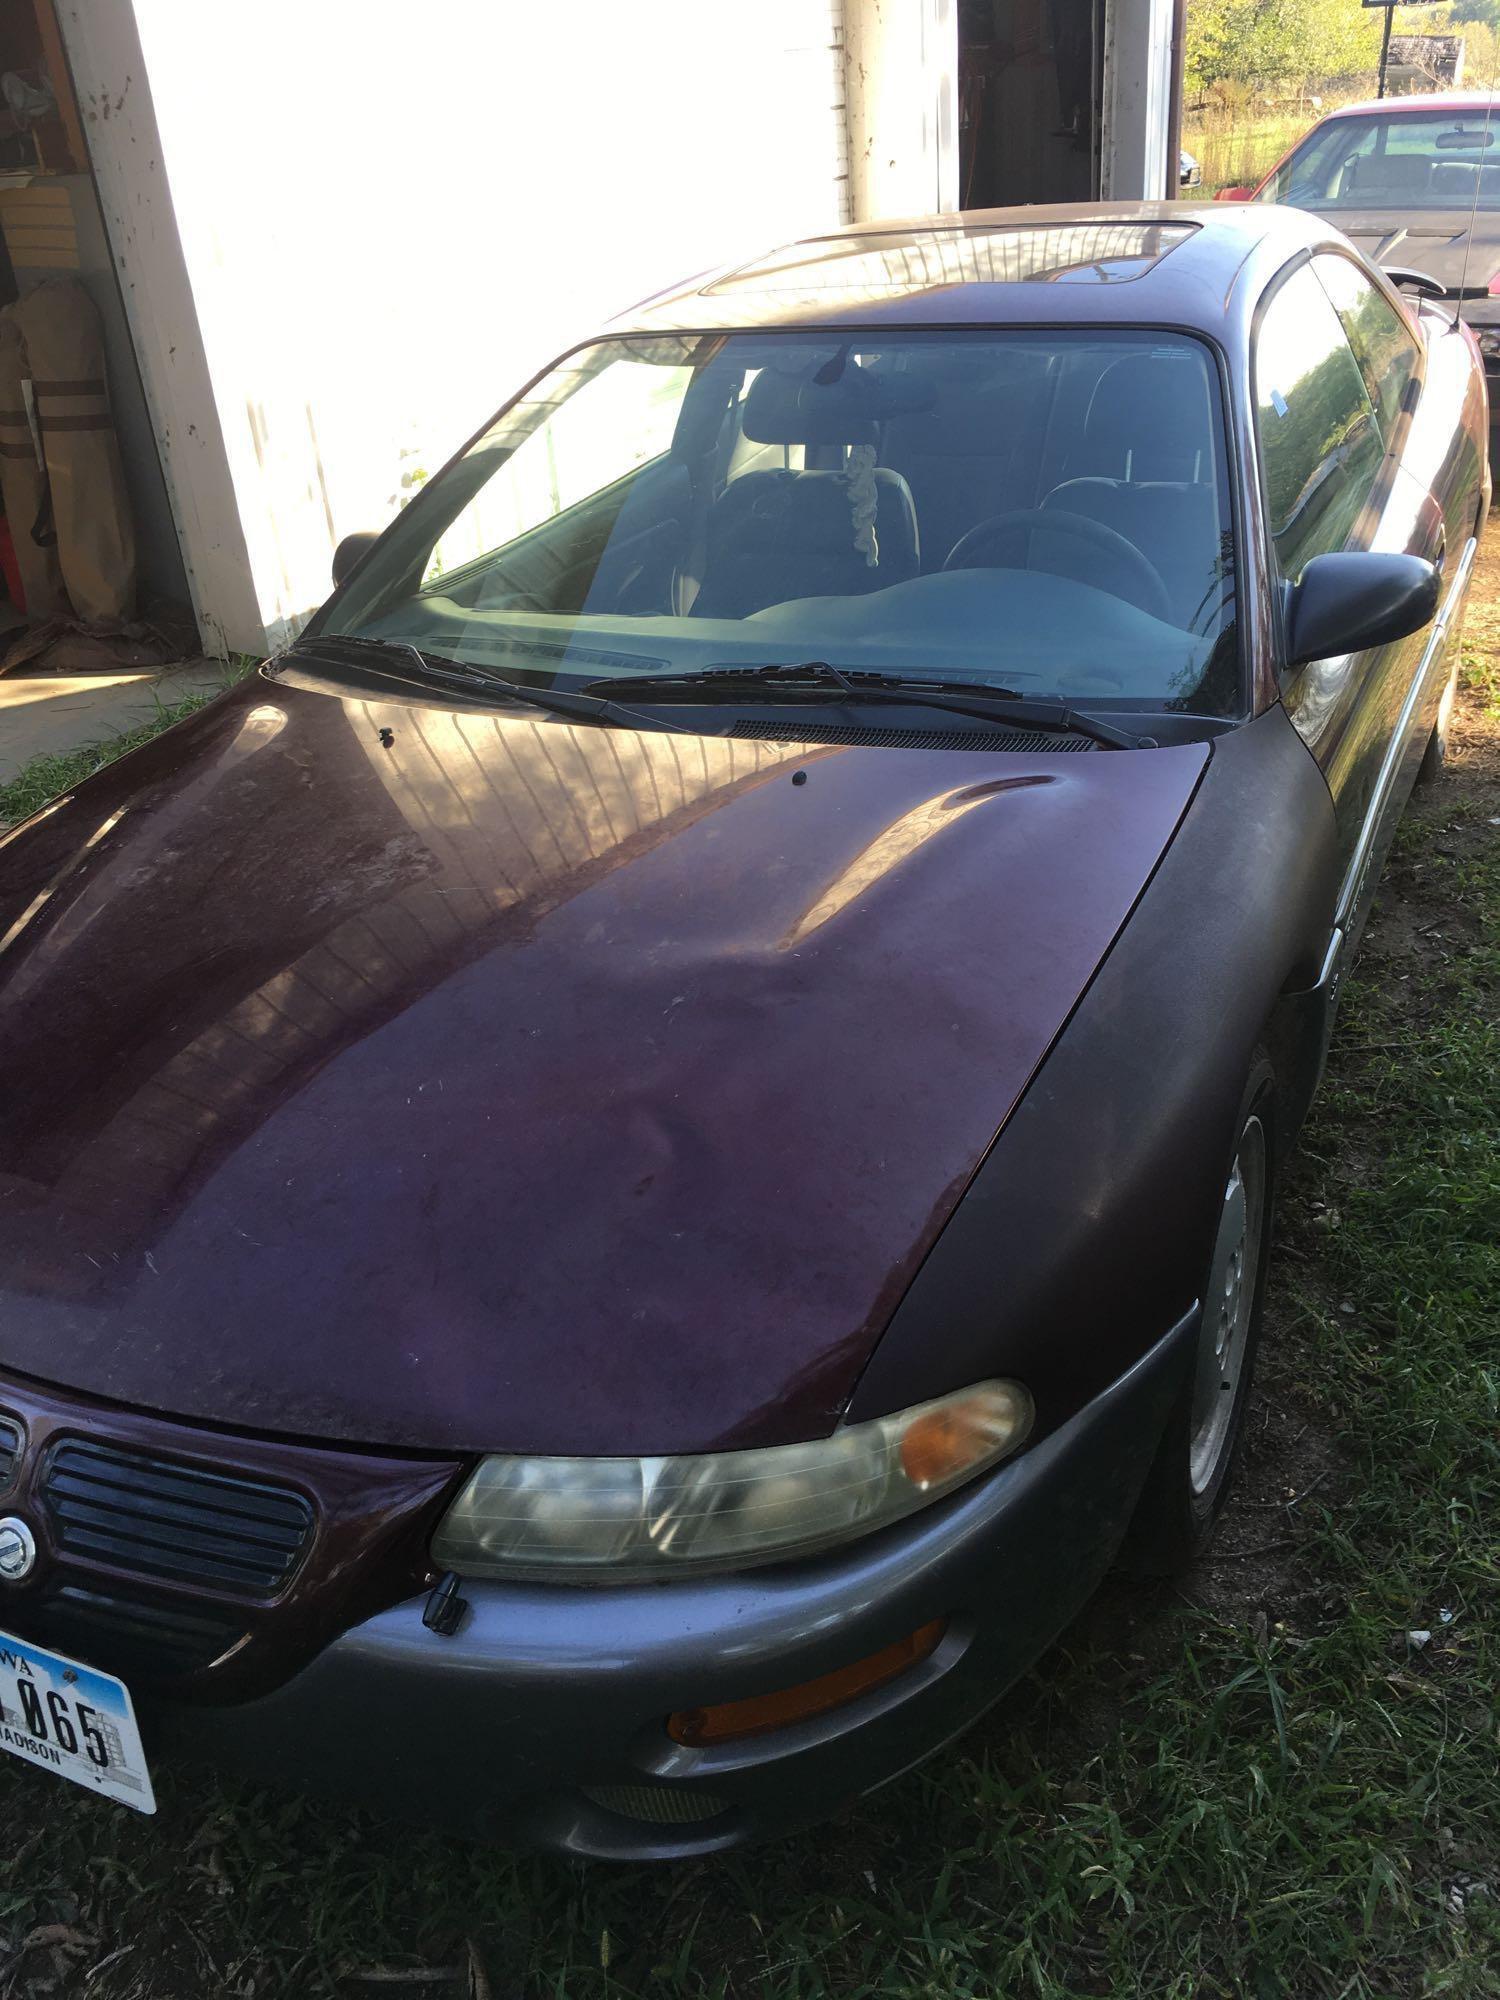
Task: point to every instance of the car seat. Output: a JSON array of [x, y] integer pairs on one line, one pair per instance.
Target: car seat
[[976, 452], [777, 535], [1403, 175], [1145, 468]]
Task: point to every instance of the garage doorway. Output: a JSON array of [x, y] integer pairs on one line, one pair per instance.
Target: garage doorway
[[1030, 79], [52, 227]]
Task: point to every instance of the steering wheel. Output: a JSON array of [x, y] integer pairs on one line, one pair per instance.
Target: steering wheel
[[1150, 593]]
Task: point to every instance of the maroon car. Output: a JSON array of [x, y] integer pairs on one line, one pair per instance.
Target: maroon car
[[619, 1176]]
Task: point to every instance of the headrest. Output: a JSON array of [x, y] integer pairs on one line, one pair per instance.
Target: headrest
[[806, 409], [986, 396], [1392, 173], [1150, 419]]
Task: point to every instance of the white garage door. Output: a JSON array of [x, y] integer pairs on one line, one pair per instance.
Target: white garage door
[[391, 215]]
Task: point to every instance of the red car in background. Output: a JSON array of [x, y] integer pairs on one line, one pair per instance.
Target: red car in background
[[1415, 183]]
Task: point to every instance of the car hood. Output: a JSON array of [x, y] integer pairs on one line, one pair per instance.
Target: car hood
[[454, 1079], [1431, 240]]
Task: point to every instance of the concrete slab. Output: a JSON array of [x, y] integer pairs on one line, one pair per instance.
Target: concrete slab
[[54, 713]]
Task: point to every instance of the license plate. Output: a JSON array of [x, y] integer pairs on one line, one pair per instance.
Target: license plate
[[73, 1721]]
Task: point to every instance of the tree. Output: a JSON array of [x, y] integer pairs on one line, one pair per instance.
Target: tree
[[1281, 41]]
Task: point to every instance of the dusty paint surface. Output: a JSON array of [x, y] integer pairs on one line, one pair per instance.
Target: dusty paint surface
[[515, 1084]]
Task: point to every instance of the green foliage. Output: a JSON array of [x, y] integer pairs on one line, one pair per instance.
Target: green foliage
[[1235, 47], [1280, 42]]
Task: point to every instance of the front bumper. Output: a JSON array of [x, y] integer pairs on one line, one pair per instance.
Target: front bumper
[[541, 1720]]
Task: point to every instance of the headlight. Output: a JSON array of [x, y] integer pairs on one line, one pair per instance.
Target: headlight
[[598, 1519]]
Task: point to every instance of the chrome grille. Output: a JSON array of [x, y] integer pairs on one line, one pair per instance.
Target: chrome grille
[[10, 1451], [172, 1523]]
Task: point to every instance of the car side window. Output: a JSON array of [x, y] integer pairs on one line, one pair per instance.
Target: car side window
[[1383, 343], [1320, 440], [1320, 167]]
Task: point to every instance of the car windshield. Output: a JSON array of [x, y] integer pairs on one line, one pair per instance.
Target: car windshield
[[1406, 159], [1046, 511]]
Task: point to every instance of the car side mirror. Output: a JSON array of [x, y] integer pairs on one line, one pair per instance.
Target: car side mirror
[[1420, 282], [1235, 194], [350, 551], [1347, 603]]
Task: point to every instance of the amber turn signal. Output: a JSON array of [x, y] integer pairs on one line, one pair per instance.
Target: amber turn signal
[[726, 1720], [943, 1443]]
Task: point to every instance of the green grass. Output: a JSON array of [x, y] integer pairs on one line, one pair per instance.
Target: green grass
[[44, 777], [1482, 674], [1236, 145], [1254, 1785], [1241, 151]]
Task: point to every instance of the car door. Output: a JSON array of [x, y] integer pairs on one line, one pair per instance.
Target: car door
[[1331, 445], [1427, 386]]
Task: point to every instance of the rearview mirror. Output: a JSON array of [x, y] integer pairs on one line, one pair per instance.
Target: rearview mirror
[[350, 551], [1350, 602]]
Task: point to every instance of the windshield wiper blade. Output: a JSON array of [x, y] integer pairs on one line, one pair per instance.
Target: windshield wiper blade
[[1000, 705], [804, 675], [437, 667], [326, 641]]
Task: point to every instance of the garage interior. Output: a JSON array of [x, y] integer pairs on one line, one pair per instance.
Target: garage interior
[[1030, 83], [92, 569]]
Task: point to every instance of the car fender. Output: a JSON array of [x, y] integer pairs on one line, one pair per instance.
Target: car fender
[[1083, 1235]]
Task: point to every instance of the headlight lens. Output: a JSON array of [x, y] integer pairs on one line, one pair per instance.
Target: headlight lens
[[602, 1519]]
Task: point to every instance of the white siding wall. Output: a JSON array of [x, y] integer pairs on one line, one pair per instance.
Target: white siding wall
[[386, 216], [1137, 100], [901, 69]]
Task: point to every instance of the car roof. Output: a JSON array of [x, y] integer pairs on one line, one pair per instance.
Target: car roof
[[1147, 263], [1425, 100]]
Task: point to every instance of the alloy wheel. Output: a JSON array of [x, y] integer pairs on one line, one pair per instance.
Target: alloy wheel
[[1228, 1309]]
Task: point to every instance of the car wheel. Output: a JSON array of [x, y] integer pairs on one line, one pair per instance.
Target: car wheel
[[1189, 1478]]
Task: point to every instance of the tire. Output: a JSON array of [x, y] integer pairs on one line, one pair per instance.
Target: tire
[[1190, 1476]]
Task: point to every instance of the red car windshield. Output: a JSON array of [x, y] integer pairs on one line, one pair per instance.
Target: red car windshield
[[1399, 159]]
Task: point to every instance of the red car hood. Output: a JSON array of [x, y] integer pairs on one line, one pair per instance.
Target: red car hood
[[1450, 245], [441, 1079]]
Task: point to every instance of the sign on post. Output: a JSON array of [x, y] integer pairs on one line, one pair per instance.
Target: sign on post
[[1385, 32]]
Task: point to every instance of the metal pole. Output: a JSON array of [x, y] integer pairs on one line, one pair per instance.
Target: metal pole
[[1174, 102], [1385, 44]]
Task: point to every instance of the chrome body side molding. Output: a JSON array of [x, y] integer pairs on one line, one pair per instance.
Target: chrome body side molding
[[1389, 795]]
